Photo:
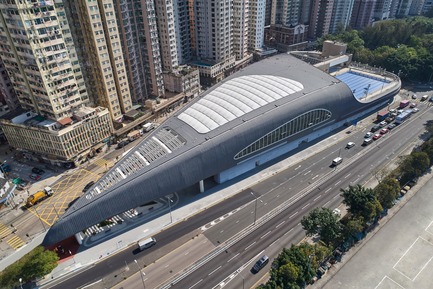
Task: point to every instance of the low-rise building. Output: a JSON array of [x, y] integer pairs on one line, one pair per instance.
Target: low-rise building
[[62, 141]]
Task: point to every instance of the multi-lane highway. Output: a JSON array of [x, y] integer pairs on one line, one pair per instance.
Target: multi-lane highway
[[311, 183]]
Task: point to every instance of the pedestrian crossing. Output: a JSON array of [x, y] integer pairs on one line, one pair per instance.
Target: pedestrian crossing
[[15, 242], [4, 231]]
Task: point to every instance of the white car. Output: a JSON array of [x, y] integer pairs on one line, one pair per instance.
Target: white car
[[368, 135], [350, 145], [414, 110]]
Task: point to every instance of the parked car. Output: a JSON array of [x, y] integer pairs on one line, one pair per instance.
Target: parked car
[[384, 131], [88, 186], [391, 126], [38, 171], [367, 141], [415, 110], [122, 143], [35, 177], [368, 135], [383, 123], [375, 128], [377, 136], [350, 145], [414, 96], [413, 104]]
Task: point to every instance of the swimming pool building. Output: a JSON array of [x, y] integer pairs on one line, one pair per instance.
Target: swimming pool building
[[255, 115]]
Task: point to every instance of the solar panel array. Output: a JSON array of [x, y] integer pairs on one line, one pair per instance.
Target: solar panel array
[[164, 142]]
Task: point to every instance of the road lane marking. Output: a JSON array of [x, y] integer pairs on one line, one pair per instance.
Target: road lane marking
[[337, 183], [315, 177], [280, 224], [298, 167], [265, 235], [327, 190], [347, 176], [317, 198], [326, 203], [305, 206], [186, 253], [214, 270], [293, 215], [221, 231], [237, 221], [196, 283], [233, 257], [336, 196], [249, 246], [288, 231], [307, 173]]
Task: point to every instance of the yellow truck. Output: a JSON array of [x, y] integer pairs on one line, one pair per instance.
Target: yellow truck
[[39, 196]]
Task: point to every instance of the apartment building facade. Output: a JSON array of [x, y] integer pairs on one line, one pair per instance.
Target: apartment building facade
[[362, 13], [341, 15]]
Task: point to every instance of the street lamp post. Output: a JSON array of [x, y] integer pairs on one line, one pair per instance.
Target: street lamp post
[[141, 273], [21, 282], [255, 206], [169, 206]]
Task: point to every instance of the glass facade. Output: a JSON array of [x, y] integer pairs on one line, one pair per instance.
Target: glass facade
[[296, 125]]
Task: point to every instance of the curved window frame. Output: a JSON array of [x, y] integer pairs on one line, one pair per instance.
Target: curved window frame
[[294, 126]]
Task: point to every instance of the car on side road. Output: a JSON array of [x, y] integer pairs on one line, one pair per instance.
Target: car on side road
[[375, 128], [367, 141], [35, 177], [377, 136], [260, 264], [384, 131], [415, 110], [38, 171], [414, 96], [413, 104], [383, 123], [368, 135], [350, 145], [392, 126]]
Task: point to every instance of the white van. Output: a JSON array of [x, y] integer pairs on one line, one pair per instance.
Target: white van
[[337, 161], [146, 243], [424, 97]]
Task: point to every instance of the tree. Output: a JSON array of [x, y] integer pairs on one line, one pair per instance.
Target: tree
[[289, 273], [38, 263], [353, 225], [361, 202], [324, 222], [387, 191]]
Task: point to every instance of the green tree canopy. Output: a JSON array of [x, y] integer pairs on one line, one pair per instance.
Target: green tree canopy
[[361, 202], [353, 225], [38, 263], [324, 222], [387, 191]]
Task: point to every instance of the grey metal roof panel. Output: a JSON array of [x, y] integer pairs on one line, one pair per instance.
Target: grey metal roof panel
[[205, 154]]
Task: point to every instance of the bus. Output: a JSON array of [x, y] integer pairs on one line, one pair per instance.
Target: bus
[[403, 116]]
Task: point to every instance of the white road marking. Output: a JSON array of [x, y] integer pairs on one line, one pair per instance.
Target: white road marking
[[326, 203], [233, 257], [327, 190], [280, 224], [298, 167], [196, 283], [237, 221], [305, 206], [317, 198], [288, 231], [336, 196], [214, 270], [307, 173], [187, 253], [293, 215], [221, 231], [337, 183], [347, 176], [265, 235], [249, 246], [315, 177]]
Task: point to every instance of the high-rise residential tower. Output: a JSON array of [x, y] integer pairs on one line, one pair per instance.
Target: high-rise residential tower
[[39, 55], [362, 13], [99, 36], [241, 22], [320, 17], [257, 24], [382, 9], [341, 14]]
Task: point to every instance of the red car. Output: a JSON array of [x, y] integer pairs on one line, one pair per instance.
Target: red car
[[35, 177], [376, 136], [384, 131]]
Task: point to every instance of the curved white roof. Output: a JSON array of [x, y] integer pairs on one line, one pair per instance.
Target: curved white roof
[[235, 98]]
